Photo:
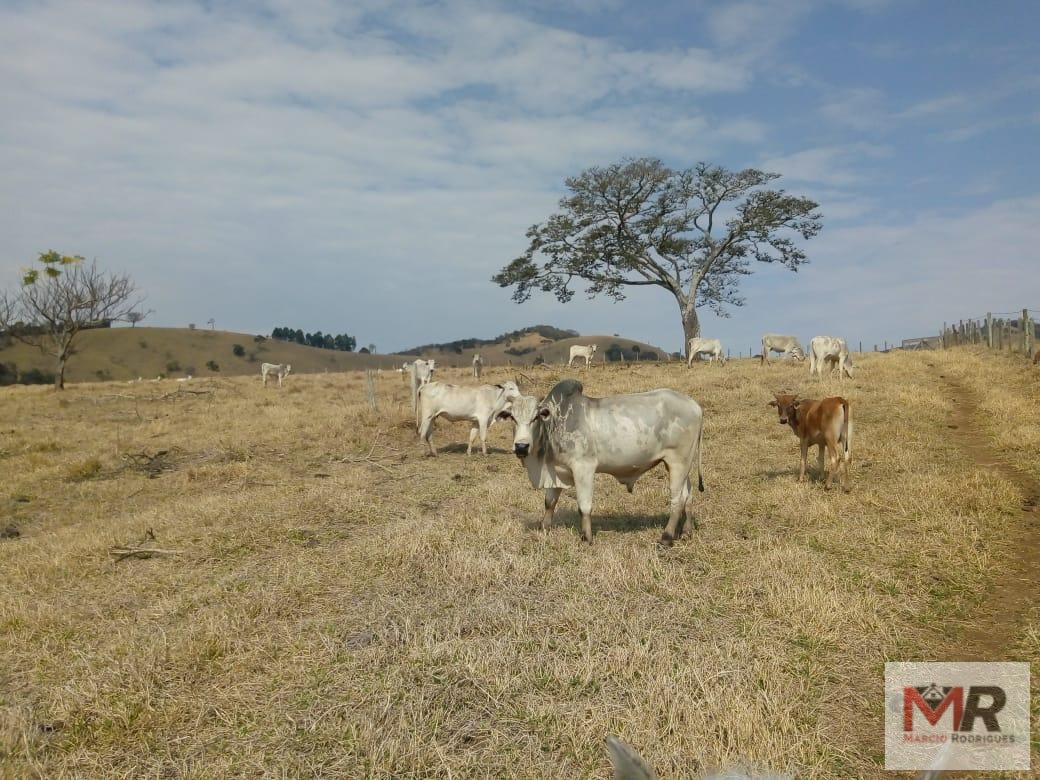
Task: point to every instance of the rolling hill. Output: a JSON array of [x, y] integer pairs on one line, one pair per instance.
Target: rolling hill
[[128, 353]]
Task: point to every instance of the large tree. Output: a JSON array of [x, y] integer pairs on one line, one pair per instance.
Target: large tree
[[58, 299], [638, 223]]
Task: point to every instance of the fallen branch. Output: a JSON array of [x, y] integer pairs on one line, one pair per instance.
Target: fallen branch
[[122, 553]]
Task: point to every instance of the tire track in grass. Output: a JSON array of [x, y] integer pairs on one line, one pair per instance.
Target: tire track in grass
[[1000, 618]]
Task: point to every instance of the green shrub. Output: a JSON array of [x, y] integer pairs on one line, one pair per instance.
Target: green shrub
[[172, 366], [238, 350], [212, 365]]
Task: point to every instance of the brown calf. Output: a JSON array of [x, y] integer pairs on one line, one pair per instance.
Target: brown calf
[[1036, 357], [826, 423]]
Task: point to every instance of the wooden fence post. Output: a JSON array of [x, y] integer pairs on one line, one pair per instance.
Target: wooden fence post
[[861, 347], [989, 329], [1027, 334]]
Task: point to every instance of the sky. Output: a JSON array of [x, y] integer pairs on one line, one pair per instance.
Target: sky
[[366, 167]]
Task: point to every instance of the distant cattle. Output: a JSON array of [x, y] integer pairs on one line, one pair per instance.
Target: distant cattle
[[419, 373], [1036, 357], [568, 438], [279, 370], [587, 352], [833, 351], [826, 424], [479, 405], [478, 366], [710, 347], [785, 345]]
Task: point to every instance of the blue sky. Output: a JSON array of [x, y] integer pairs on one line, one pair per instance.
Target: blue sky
[[366, 167]]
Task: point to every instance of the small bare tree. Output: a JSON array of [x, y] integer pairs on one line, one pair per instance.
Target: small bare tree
[[135, 317], [212, 323], [59, 299]]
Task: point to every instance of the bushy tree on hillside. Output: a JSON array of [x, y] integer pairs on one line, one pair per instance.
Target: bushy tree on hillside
[[638, 223], [58, 298]]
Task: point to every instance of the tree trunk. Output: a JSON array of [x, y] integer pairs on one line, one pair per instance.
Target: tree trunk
[[691, 328], [59, 375]]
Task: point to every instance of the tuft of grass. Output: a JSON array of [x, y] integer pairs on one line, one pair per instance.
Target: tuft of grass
[[83, 470]]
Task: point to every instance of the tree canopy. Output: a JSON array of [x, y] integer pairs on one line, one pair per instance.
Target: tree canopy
[[638, 223]]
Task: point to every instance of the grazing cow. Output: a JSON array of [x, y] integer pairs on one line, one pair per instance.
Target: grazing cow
[[478, 366], [419, 372], [785, 345], [479, 405], [710, 347], [826, 423], [584, 352], [187, 378], [833, 351], [568, 438], [280, 370]]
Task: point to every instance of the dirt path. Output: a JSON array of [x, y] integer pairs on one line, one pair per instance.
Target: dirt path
[[990, 632]]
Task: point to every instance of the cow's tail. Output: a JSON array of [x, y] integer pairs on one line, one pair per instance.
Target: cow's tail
[[700, 449], [846, 430]]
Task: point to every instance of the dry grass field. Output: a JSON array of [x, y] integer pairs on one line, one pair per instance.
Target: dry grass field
[[339, 605]]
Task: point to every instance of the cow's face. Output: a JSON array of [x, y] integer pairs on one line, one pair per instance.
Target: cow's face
[[509, 389], [798, 354], [594, 348], [786, 406], [525, 414]]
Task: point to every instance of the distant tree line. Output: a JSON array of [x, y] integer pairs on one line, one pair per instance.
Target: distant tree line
[[545, 331], [342, 342]]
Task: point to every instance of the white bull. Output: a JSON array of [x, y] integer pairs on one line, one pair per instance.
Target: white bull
[[710, 347], [420, 372], [479, 405], [280, 370], [579, 351], [785, 345], [568, 438], [478, 366], [832, 350]]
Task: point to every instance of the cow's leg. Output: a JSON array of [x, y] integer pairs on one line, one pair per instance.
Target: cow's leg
[[679, 490], [805, 457], [552, 497], [583, 485], [832, 461], [472, 436], [426, 434], [819, 460], [482, 429]]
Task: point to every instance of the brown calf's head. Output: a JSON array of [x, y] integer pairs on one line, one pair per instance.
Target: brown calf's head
[[786, 406]]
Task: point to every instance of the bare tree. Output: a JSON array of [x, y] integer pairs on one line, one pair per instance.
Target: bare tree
[[135, 317], [59, 299], [212, 323]]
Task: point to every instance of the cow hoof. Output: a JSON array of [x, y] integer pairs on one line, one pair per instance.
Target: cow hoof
[[586, 539], [666, 540]]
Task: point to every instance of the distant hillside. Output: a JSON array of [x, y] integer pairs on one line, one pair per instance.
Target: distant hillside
[[127, 353], [547, 332], [535, 344]]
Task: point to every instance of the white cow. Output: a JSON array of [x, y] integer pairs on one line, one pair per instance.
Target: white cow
[[785, 345], [832, 350], [479, 405], [710, 347], [280, 370], [567, 438], [587, 352], [187, 378], [478, 366], [419, 373]]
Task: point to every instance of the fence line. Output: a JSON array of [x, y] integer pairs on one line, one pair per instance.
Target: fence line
[[1013, 332]]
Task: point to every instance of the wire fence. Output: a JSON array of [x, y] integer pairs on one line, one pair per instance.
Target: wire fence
[[1005, 331]]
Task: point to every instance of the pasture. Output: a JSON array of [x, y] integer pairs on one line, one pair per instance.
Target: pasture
[[337, 604]]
